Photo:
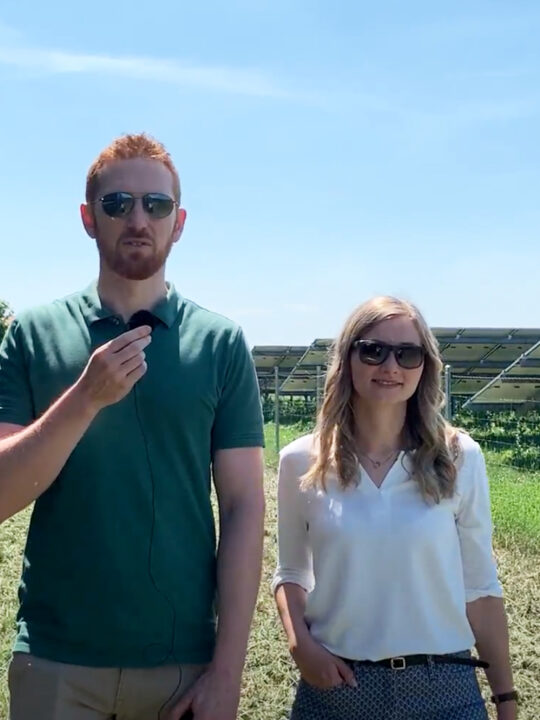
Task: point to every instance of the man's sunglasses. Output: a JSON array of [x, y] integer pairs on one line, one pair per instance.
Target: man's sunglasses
[[120, 204], [374, 352]]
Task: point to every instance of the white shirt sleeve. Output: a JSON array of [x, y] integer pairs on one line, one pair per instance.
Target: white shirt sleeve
[[474, 526], [295, 564]]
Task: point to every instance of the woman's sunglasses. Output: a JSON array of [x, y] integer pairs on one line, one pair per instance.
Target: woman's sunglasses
[[120, 204], [374, 352]]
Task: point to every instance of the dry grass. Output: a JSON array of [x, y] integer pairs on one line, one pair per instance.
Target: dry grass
[[520, 576], [269, 678], [12, 537]]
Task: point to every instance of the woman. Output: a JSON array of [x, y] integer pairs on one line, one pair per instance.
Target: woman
[[386, 576]]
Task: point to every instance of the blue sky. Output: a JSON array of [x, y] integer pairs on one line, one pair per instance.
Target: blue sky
[[328, 151]]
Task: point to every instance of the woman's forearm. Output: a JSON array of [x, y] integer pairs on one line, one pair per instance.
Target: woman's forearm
[[291, 604], [487, 618]]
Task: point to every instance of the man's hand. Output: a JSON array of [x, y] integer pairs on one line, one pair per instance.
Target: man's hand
[[214, 696], [319, 667], [114, 368], [31, 458]]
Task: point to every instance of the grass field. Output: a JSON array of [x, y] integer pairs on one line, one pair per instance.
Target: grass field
[[270, 676]]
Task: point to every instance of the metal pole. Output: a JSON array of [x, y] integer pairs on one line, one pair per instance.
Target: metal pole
[[448, 392], [318, 387], [276, 404]]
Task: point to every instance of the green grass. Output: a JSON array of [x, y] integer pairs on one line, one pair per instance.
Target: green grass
[[270, 676], [287, 433], [515, 503], [515, 494]]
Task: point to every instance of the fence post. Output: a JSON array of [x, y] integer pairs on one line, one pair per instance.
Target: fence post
[[318, 387], [276, 404], [448, 392]]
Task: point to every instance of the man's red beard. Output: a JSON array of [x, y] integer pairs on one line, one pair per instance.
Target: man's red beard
[[134, 263]]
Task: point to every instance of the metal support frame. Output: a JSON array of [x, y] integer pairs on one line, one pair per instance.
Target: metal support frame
[[318, 387], [448, 392], [276, 405], [500, 377]]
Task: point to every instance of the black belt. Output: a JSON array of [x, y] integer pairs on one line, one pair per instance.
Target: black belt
[[400, 663]]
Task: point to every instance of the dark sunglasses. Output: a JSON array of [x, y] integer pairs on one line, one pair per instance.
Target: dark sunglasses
[[120, 204], [374, 352]]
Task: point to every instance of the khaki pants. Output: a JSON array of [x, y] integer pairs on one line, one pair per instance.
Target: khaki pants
[[45, 690]]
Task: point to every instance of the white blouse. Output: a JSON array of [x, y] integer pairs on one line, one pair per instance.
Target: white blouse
[[387, 574]]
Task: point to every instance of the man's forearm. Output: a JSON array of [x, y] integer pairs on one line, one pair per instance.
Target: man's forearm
[[238, 577], [32, 458], [487, 618]]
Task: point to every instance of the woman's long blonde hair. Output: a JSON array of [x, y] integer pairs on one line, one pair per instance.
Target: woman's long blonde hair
[[434, 440]]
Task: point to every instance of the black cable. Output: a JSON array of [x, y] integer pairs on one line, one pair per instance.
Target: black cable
[[143, 317]]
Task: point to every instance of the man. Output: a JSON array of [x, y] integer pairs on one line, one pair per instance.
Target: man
[[113, 421]]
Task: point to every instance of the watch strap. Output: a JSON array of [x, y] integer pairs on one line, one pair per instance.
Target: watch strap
[[505, 697]]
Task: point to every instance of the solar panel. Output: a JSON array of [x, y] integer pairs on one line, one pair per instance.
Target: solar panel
[[518, 383], [269, 357], [477, 357], [508, 391]]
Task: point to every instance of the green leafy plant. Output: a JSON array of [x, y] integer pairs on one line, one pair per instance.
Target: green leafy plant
[[5, 317]]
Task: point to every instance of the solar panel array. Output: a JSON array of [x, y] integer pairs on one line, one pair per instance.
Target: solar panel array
[[488, 365], [269, 357], [519, 383]]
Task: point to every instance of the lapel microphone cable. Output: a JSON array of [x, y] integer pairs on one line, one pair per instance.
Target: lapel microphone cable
[[144, 317]]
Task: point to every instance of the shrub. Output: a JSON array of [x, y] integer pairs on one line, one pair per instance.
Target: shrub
[[5, 317]]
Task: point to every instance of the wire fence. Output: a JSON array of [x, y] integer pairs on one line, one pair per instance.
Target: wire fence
[[511, 435]]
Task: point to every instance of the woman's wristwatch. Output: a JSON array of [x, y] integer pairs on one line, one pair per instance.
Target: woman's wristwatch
[[505, 697]]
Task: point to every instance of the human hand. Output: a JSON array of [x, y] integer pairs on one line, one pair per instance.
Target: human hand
[[319, 667], [114, 368], [214, 696]]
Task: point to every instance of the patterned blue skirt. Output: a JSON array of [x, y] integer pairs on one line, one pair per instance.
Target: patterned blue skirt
[[434, 691]]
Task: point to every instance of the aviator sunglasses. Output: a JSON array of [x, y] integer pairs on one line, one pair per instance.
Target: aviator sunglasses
[[120, 204], [375, 352]]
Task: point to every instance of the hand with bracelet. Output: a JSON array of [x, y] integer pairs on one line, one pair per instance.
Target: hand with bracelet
[[507, 704]]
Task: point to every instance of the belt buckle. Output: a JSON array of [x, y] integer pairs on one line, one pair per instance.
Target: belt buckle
[[398, 663]]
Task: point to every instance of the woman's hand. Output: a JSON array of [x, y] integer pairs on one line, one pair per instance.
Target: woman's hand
[[507, 711], [319, 667]]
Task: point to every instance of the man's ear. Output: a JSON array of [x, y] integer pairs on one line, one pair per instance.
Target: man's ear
[[88, 220], [179, 225]]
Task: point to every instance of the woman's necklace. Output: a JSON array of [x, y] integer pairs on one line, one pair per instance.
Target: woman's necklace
[[377, 463]]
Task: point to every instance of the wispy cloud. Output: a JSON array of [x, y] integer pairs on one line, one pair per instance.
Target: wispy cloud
[[16, 53], [241, 81]]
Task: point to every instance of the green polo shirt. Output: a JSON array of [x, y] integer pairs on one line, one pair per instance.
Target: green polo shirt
[[120, 562]]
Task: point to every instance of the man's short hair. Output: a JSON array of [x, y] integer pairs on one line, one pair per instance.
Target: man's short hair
[[127, 147]]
